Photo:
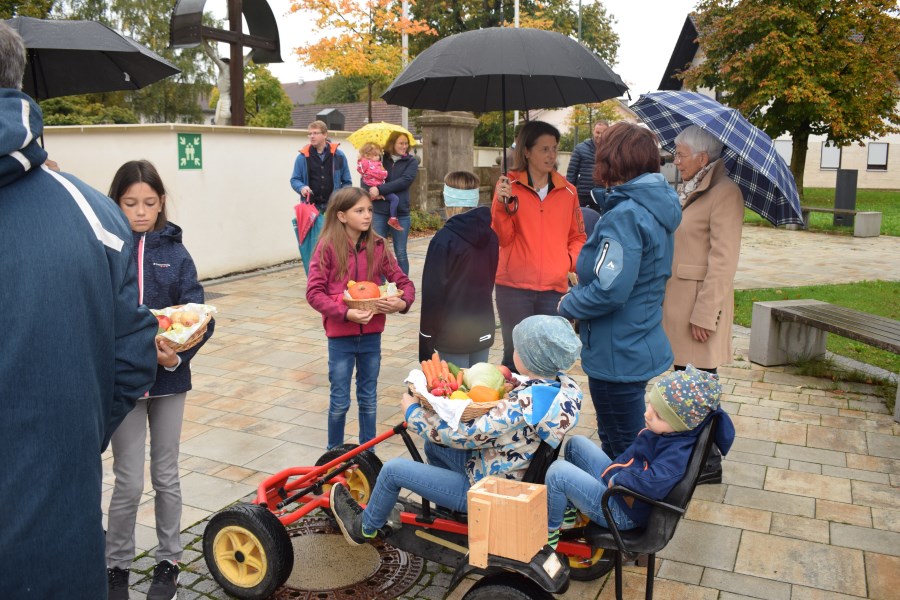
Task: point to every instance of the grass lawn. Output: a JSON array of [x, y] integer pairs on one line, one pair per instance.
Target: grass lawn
[[876, 297], [887, 202]]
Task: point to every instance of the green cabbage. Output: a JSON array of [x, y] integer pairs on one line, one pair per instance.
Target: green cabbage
[[484, 374]]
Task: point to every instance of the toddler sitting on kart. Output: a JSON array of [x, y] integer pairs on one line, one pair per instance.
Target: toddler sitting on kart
[[501, 442], [678, 406]]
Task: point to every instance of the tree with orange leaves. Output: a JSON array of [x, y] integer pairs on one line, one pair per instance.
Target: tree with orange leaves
[[366, 39]]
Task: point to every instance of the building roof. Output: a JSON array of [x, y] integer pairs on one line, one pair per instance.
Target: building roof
[[682, 55], [355, 115], [302, 92]]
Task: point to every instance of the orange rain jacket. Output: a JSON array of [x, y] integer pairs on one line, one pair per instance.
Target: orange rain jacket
[[539, 243]]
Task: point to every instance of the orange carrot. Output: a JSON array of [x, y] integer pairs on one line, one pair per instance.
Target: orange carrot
[[426, 368], [436, 362], [445, 370], [459, 375]]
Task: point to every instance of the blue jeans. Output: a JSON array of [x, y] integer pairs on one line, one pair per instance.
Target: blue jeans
[[577, 480], [379, 224], [345, 353], [442, 486], [620, 413], [464, 361], [514, 305], [447, 458]]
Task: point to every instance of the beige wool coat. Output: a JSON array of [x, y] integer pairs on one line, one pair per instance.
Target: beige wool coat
[[701, 288]]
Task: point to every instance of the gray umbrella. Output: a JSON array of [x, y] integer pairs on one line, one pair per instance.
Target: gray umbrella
[[504, 68], [83, 57]]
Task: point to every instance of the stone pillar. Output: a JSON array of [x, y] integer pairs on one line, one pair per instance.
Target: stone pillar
[[448, 144], [773, 342]]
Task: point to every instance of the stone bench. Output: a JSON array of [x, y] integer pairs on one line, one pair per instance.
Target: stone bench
[[865, 223], [787, 330]]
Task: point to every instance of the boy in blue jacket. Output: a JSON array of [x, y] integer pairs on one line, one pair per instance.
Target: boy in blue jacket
[[677, 407]]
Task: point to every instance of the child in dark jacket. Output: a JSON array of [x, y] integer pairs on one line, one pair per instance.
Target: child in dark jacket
[[350, 250], [458, 279], [678, 405], [166, 277]]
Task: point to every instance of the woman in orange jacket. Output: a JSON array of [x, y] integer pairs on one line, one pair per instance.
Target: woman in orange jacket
[[538, 222]]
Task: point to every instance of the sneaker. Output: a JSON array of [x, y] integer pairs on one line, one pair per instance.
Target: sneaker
[[165, 582], [710, 476], [348, 515], [393, 222], [117, 583]]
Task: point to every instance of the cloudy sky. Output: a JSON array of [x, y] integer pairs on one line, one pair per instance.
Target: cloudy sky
[[647, 32]]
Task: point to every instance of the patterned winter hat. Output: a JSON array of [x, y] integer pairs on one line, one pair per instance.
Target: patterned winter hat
[[546, 345], [684, 398]]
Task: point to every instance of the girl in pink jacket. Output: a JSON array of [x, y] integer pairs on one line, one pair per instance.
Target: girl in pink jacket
[[348, 250]]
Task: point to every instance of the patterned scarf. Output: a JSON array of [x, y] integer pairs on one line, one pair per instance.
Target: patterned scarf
[[687, 188]]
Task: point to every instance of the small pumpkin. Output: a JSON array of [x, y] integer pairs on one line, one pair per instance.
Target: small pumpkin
[[482, 393], [363, 290]]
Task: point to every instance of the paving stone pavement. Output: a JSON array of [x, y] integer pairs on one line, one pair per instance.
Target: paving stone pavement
[[809, 508]]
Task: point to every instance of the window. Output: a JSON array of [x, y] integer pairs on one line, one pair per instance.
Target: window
[[785, 149], [878, 156], [831, 157]]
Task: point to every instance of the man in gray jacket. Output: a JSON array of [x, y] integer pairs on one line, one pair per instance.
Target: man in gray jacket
[[78, 350], [581, 165]]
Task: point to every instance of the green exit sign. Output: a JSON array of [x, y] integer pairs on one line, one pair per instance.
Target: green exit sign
[[190, 151]]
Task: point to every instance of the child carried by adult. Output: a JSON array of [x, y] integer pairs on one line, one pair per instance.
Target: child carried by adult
[[373, 174], [501, 442]]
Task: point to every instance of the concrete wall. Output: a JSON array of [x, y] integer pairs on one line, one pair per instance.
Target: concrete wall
[[236, 212]]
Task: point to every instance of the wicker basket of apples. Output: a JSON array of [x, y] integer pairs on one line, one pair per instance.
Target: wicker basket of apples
[[363, 295], [182, 327], [483, 383]]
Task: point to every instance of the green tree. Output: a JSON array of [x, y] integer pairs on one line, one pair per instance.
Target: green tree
[[81, 110], [447, 18], [39, 9], [812, 67], [265, 101], [339, 89], [583, 118]]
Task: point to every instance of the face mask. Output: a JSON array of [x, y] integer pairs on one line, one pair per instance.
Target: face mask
[[455, 197]]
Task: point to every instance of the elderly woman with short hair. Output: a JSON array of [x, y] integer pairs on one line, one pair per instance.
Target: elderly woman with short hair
[[698, 310]]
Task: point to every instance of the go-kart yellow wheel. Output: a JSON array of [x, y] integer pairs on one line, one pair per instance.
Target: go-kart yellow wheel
[[248, 551], [589, 569], [360, 477]]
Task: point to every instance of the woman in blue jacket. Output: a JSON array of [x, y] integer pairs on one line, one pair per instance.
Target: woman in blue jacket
[[622, 272], [402, 169]]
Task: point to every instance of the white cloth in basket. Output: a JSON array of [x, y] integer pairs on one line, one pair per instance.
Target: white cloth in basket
[[450, 411]]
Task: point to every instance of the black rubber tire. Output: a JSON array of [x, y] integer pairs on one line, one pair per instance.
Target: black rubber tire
[[366, 472], [507, 586], [265, 558], [599, 566]]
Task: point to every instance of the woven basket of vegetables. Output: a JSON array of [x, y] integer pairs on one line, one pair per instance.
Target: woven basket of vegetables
[[363, 295], [483, 384]]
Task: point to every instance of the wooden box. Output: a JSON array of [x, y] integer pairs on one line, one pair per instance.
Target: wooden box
[[506, 518]]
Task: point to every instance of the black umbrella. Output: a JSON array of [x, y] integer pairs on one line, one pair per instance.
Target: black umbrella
[[83, 57], [504, 68]]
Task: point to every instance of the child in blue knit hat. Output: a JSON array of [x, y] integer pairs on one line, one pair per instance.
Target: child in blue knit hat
[[677, 406]]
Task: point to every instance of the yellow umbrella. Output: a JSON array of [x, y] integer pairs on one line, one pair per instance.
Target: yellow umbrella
[[378, 133]]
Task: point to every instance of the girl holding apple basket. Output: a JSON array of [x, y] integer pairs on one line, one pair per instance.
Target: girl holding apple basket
[[349, 249], [166, 277]]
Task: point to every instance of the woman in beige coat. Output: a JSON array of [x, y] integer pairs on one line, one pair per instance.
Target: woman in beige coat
[[698, 309]]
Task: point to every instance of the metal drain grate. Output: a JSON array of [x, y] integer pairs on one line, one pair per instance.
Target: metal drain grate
[[385, 572], [212, 295]]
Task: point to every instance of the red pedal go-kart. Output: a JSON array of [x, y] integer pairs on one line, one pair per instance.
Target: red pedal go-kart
[[248, 550]]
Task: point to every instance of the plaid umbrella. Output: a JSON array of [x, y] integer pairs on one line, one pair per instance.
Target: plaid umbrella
[[377, 133], [750, 157]]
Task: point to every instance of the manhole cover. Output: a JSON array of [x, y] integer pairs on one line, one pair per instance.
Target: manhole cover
[[326, 567]]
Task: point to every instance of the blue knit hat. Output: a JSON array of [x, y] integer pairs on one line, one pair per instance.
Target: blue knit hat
[[684, 398], [546, 345]]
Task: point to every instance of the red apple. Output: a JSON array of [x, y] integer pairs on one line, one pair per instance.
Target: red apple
[[507, 374], [164, 323]]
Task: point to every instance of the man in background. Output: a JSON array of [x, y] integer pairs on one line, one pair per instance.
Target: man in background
[[581, 165], [78, 350]]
